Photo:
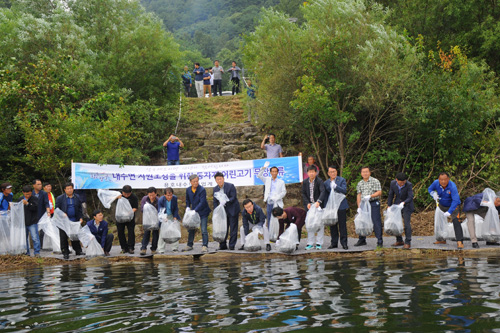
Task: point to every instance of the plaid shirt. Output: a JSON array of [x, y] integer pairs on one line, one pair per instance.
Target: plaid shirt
[[369, 187]]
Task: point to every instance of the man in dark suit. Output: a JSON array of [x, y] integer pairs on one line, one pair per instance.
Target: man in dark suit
[[99, 228], [401, 193], [168, 202], [312, 194], [71, 205], [196, 199], [232, 208], [30, 203]]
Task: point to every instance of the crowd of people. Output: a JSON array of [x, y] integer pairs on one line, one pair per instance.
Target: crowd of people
[[208, 81]]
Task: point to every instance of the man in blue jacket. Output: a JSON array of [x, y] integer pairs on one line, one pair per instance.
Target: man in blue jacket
[[99, 228], [198, 79], [232, 208], [196, 199], [401, 193], [472, 206], [71, 205], [445, 192], [338, 184], [168, 202], [253, 214]]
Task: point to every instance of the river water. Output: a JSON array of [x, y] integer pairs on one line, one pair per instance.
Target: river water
[[275, 295]]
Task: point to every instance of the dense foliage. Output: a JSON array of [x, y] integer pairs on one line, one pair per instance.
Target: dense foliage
[[360, 93], [89, 80]]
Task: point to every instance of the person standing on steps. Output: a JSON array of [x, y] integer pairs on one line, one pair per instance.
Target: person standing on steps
[[217, 72], [207, 85], [272, 149], [401, 193], [186, 81], [445, 192], [198, 79], [235, 77], [251, 90], [369, 188], [173, 149]]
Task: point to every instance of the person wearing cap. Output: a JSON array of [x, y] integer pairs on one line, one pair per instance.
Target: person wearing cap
[[99, 228], [5, 196], [128, 245], [445, 192], [30, 203], [472, 206], [401, 193]]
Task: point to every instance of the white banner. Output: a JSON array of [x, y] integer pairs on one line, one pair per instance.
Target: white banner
[[239, 173]]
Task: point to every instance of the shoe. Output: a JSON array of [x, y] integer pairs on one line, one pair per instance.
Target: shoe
[[66, 256], [398, 244], [222, 248], [318, 247], [204, 249], [175, 250], [241, 248], [296, 247], [379, 247], [131, 251], [187, 248], [345, 247], [309, 247], [407, 246], [123, 251], [268, 247], [161, 252], [143, 252], [440, 242], [492, 243], [37, 255], [80, 253], [475, 245], [360, 243], [231, 248], [460, 245], [106, 254], [333, 247]]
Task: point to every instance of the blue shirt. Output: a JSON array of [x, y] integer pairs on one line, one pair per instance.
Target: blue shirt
[[71, 211], [173, 150], [168, 205], [4, 201], [448, 197], [251, 92], [206, 82], [198, 73]]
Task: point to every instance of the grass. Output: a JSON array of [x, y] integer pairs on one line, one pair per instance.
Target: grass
[[221, 109]]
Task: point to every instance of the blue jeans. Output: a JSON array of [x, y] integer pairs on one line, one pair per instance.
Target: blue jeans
[[173, 162], [204, 232], [377, 222], [33, 230]]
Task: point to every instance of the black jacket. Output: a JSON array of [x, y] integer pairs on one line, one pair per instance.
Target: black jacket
[[30, 211], [406, 195], [63, 205], [317, 192]]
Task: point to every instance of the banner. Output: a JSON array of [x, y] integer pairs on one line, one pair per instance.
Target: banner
[[240, 173]]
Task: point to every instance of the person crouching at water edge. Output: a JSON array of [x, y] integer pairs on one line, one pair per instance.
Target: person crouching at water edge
[[168, 202], [288, 216], [445, 192], [196, 199], [253, 217], [312, 195], [369, 189], [99, 228], [274, 190], [472, 206]]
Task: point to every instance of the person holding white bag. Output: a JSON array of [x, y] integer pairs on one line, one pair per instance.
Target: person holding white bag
[[339, 185], [401, 193], [312, 195], [128, 245], [152, 199], [168, 202], [369, 189], [274, 189], [253, 216], [472, 206]]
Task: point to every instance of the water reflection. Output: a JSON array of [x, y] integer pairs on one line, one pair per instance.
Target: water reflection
[[275, 295]]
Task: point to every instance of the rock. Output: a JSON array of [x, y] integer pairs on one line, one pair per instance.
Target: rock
[[253, 154], [250, 192], [232, 149], [222, 135], [220, 157]]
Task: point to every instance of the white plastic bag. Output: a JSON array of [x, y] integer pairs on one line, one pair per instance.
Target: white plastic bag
[[150, 219], [441, 225], [191, 219], [363, 221], [124, 212], [478, 223], [393, 221], [252, 242], [219, 218], [162, 216], [17, 229], [274, 229], [313, 219], [90, 243], [450, 231], [170, 231], [491, 226], [288, 240], [330, 213], [51, 239], [74, 228], [4, 231], [107, 197]]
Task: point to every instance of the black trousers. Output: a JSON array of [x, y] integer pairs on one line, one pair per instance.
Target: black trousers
[[457, 226], [407, 220], [65, 245], [339, 229], [124, 244], [217, 86], [109, 242], [232, 231], [236, 85], [187, 89]]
